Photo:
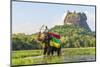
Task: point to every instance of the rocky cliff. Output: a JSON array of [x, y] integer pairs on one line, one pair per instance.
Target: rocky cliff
[[76, 19]]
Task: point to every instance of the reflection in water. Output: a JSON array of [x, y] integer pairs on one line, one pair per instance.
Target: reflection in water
[[51, 59], [59, 59], [56, 59]]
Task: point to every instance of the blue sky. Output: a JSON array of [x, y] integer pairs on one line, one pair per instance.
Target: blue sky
[[29, 17]]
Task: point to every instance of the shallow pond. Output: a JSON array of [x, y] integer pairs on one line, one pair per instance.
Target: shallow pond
[[55, 59]]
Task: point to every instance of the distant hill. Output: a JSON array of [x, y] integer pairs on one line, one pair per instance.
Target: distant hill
[[66, 30], [76, 19]]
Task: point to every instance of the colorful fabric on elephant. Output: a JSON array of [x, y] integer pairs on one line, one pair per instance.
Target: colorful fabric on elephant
[[54, 35], [55, 42]]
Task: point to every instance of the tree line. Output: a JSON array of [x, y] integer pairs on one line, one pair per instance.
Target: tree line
[[74, 36]]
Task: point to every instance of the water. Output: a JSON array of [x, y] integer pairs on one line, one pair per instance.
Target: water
[[55, 59], [35, 57], [78, 58]]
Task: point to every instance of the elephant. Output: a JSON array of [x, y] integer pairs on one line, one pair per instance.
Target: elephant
[[48, 50]]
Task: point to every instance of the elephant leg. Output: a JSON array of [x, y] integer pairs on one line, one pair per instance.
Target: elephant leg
[[49, 51], [45, 48], [45, 51], [59, 51], [52, 51]]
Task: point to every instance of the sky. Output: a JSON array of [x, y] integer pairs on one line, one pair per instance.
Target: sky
[[28, 17]]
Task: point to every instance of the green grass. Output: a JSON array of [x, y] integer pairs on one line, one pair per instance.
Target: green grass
[[20, 57], [26, 53], [79, 51]]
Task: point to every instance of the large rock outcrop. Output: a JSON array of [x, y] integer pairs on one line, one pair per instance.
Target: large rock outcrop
[[76, 19]]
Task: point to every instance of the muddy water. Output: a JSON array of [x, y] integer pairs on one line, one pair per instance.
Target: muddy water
[[78, 58], [55, 59]]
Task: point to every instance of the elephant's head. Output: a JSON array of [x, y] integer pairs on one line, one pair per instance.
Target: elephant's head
[[43, 36]]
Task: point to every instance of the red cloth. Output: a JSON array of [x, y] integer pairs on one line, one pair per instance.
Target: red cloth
[[55, 35]]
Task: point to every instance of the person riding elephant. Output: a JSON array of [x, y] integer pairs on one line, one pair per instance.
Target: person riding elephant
[[48, 49]]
